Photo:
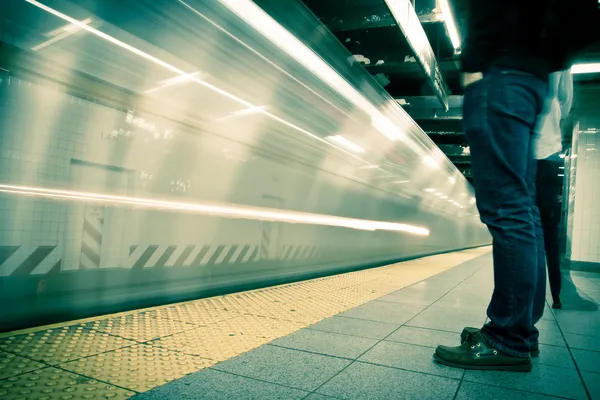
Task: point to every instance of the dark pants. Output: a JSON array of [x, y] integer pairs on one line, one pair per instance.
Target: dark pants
[[499, 114], [549, 190]]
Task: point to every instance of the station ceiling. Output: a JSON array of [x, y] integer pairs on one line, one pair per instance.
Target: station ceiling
[[371, 33]]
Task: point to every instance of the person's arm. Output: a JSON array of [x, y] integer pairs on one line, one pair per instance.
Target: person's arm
[[565, 93], [565, 99]]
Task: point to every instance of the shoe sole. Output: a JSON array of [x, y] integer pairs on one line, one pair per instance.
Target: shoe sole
[[511, 368], [465, 332]]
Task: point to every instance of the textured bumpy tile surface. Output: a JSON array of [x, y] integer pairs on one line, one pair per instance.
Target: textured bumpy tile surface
[[139, 367], [53, 346], [56, 384]]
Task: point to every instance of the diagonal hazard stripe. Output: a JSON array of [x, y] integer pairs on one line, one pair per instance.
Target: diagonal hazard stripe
[[56, 268], [91, 254], [92, 231], [141, 262], [243, 253], [229, 254], [165, 256], [186, 253], [216, 255], [253, 256], [295, 255], [6, 252], [132, 248], [200, 256], [33, 260]]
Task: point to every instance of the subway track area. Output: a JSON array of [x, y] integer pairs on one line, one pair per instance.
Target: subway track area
[[117, 356]]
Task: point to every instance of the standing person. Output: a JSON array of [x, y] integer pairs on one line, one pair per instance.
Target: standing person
[[553, 135], [548, 145], [506, 80], [510, 49]]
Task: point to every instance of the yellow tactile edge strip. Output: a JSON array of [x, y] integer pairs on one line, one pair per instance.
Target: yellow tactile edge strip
[[134, 351]]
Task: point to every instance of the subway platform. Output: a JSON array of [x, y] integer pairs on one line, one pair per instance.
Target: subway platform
[[363, 335]]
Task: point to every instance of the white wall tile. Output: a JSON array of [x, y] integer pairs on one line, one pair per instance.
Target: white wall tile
[[586, 222]]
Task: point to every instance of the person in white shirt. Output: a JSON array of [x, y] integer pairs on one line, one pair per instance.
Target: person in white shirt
[[549, 142], [547, 147]]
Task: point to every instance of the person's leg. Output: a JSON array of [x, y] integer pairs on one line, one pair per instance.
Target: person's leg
[[499, 113], [539, 299], [547, 201]]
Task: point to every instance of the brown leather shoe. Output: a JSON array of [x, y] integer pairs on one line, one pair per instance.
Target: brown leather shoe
[[470, 331], [475, 353]]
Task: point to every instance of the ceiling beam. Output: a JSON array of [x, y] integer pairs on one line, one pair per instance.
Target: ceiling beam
[[370, 17], [408, 22]]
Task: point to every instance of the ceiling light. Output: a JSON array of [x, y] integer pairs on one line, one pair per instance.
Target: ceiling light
[[586, 68], [450, 24]]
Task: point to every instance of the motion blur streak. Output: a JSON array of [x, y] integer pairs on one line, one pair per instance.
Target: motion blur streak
[[191, 77], [283, 39], [241, 42], [227, 211]]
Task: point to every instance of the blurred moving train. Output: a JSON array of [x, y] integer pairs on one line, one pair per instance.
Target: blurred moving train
[[154, 151]]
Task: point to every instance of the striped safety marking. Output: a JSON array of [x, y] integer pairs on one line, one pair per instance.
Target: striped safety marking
[[21, 260], [160, 256], [300, 252], [91, 243]]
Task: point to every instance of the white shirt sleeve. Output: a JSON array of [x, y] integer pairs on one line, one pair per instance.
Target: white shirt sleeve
[[565, 93]]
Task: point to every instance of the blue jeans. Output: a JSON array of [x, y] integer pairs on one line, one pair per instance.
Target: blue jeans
[[499, 114]]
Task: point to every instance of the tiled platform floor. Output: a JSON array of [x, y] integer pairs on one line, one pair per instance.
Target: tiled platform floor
[[382, 350]]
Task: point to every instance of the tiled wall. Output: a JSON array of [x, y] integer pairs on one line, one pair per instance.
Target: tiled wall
[[585, 212], [585, 243]]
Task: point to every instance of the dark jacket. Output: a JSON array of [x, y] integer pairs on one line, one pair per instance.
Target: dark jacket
[[505, 34]]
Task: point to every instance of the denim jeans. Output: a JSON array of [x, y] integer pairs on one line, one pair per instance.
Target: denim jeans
[[499, 114], [549, 189]]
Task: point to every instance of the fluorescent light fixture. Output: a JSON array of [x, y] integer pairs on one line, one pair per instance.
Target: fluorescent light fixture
[[430, 190], [400, 182], [61, 33], [586, 68], [406, 17], [217, 210], [444, 197], [342, 141], [452, 180], [450, 24]]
